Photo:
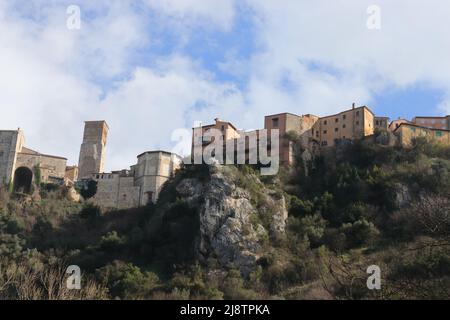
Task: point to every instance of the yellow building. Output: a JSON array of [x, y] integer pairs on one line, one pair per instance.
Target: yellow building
[[355, 123], [407, 132]]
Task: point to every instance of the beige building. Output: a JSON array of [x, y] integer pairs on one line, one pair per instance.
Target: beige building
[[288, 122], [381, 123], [138, 186], [20, 165], [92, 153], [352, 124], [407, 132]]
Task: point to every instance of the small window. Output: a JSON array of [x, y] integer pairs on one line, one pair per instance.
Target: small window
[[336, 129], [275, 122], [344, 117], [377, 123], [325, 122], [324, 131], [223, 128], [336, 120], [1, 154], [344, 126], [343, 137], [357, 113], [357, 123]]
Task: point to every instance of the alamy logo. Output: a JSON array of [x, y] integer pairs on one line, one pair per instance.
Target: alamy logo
[[374, 19], [374, 280], [74, 19], [74, 280]]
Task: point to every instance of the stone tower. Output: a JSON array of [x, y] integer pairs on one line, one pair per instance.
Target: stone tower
[[92, 152]]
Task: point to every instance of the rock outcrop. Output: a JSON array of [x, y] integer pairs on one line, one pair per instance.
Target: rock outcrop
[[235, 222]]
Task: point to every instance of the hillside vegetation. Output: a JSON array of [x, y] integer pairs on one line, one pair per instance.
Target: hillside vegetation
[[219, 233]]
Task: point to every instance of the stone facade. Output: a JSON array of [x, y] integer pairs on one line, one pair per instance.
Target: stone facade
[[52, 168], [139, 186], [11, 143], [18, 164], [92, 153]]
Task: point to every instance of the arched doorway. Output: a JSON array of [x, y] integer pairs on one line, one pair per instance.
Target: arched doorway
[[23, 177]]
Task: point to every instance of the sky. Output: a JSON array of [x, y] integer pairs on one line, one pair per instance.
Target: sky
[[152, 68]]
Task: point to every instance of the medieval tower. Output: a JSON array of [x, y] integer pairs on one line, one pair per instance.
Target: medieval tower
[[92, 152]]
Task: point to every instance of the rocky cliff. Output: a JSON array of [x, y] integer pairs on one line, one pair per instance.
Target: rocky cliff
[[237, 213]]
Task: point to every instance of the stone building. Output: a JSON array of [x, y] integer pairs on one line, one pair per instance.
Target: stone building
[[138, 186], [21, 166], [92, 153]]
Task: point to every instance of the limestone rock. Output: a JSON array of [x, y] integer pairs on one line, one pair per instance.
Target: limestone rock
[[230, 227]]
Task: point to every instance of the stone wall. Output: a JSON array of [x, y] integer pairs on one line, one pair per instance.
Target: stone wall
[[92, 151], [52, 168], [115, 190], [11, 142]]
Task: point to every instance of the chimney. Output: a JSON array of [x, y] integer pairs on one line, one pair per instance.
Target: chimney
[[353, 105], [216, 120]]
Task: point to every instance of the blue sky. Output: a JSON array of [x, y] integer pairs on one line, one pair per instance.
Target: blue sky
[[153, 67]]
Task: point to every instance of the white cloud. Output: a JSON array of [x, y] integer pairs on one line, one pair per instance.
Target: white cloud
[[411, 47], [218, 13], [50, 80]]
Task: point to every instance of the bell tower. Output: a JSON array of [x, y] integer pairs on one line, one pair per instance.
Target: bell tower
[[92, 152]]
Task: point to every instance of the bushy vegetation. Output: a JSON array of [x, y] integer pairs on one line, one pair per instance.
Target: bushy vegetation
[[354, 206]]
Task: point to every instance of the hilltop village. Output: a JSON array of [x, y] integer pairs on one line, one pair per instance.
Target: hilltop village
[[22, 167]]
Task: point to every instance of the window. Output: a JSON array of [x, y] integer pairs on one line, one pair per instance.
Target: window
[[344, 126], [324, 143], [325, 123], [357, 113], [223, 128], [275, 122], [438, 134], [357, 123], [343, 137], [1, 154], [336, 129], [324, 131], [344, 117], [377, 123], [336, 120]]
